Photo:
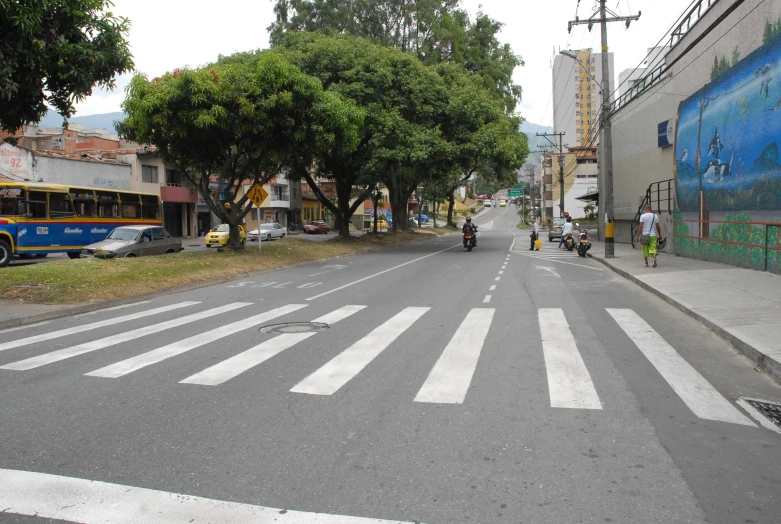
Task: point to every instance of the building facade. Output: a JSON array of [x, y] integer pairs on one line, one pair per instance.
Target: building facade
[[576, 96]]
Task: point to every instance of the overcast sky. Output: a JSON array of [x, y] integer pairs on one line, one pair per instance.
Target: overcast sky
[[167, 34]]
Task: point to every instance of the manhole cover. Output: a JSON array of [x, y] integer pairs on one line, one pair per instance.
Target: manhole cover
[[294, 327], [769, 409]]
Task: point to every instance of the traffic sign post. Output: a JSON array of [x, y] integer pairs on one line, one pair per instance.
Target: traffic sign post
[[257, 195]]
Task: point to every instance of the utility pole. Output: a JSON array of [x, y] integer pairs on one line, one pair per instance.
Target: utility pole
[[560, 149], [530, 172], [601, 17]]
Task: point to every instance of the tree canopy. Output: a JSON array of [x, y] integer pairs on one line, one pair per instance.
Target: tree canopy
[[236, 121], [55, 52]]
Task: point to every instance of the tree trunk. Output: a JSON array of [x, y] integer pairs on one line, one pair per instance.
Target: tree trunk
[[451, 198], [376, 203]]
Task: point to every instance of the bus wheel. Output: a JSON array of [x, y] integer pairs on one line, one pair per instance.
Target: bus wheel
[[73, 255], [6, 255]]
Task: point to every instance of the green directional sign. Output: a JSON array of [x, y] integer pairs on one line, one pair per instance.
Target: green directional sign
[[515, 192]]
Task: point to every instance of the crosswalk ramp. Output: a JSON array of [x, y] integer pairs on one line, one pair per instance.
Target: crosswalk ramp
[[448, 382]]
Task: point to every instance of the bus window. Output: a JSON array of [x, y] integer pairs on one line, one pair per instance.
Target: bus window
[[85, 202], [36, 204], [108, 204], [11, 201], [150, 207], [131, 206], [60, 205]]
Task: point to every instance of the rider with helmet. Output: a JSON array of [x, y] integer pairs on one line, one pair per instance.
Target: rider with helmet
[[468, 225]]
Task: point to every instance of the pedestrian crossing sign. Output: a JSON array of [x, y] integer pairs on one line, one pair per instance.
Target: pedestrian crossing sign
[[257, 194]]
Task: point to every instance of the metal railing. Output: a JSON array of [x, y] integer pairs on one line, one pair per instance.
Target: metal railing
[[648, 80], [754, 245], [283, 198], [661, 196]]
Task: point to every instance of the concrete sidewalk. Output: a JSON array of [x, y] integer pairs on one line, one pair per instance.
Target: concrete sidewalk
[[743, 306]]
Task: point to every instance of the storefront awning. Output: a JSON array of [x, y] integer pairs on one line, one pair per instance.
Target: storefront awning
[[592, 197]]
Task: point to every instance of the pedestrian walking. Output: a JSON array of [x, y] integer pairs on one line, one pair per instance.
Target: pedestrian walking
[[535, 234], [648, 234]]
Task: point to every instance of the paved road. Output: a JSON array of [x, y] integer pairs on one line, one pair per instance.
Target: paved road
[[497, 386]]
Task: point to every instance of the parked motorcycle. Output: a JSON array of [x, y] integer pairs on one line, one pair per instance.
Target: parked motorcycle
[[469, 238], [569, 242], [583, 243]]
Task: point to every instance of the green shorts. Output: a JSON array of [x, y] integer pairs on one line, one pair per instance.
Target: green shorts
[[650, 249]]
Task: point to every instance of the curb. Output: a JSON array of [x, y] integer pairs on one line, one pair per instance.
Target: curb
[[80, 309], [770, 366]]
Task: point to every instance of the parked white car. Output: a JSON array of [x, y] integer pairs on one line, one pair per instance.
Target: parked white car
[[267, 232]]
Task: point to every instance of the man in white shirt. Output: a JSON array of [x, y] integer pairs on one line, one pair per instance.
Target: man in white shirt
[[649, 225], [535, 233], [566, 229]]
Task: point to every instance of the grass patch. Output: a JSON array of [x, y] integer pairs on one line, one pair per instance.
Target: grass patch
[[94, 280]]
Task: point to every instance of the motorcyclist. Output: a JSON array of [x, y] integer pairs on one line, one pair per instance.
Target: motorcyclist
[[565, 230], [469, 226]]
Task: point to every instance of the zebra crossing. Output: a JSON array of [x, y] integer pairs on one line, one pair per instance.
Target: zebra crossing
[[570, 384]]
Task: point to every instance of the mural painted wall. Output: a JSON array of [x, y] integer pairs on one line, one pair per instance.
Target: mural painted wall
[[728, 137], [727, 155]]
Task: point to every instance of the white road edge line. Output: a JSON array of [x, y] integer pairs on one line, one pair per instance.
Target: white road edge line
[[754, 412], [91, 501], [381, 273], [487, 299], [697, 393]]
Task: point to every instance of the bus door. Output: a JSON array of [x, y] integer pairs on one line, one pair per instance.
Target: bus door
[[34, 231], [68, 231], [12, 210]]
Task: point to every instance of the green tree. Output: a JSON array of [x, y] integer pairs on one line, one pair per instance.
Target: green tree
[[235, 122], [54, 52], [735, 56]]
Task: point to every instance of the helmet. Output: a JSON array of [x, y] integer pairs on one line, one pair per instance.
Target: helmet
[[662, 243], [468, 220]]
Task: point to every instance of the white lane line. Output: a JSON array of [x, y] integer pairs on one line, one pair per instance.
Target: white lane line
[[342, 368], [512, 250], [569, 382], [497, 279], [91, 501], [754, 412], [382, 272], [501, 272], [27, 326], [695, 391], [492, 288], [182, 346], [238, 364], [487, 299], [93, 325], [87, 347], [451, 376]]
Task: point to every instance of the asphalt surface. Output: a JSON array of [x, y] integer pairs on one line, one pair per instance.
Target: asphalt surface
[[564, 419]]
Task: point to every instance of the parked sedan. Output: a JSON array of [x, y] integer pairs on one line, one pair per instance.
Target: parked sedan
[[318, 226], [134, 241], [220, 235], [267, 232], [554, 230]]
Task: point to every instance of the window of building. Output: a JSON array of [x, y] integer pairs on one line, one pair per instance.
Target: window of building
[[149, 174], [173, 178], [60, 205]]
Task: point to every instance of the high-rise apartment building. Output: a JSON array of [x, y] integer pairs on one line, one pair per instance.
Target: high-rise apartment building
[[576, 96]]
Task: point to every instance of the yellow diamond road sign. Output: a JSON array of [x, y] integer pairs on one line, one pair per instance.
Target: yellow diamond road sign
[[257, 194]]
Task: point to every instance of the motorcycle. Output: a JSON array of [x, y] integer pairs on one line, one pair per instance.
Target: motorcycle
[[569, 242], [583, 244], [469, 238]]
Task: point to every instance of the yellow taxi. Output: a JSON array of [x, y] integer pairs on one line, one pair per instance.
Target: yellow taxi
[[503, 203], [220, 235]]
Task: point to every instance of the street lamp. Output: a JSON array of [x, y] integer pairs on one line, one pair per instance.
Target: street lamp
[[573, 55]]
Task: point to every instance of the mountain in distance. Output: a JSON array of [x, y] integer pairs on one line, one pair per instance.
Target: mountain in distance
[[102, 121], [536, 143]]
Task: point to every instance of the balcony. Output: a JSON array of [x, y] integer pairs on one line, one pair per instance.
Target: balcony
[[178, 193], [279, 200]]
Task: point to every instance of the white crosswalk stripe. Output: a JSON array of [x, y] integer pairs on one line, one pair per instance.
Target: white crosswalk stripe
[[695, 391], [80, 349], [452, 374], [341, 369], [569, 382], [177, 348], [94, 325], [242, 362]]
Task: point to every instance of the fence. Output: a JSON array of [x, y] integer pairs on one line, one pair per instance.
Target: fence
[[661, 196], [753, 245]]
